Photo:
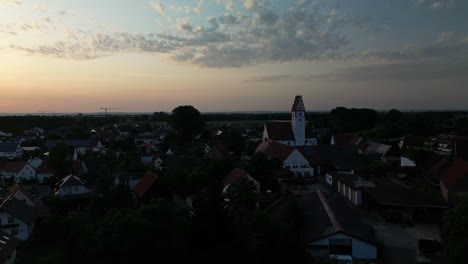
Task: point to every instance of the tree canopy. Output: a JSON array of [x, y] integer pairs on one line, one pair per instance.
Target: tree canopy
[[188, 121]]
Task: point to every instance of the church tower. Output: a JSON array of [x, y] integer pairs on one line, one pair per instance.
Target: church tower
[[298, 120]]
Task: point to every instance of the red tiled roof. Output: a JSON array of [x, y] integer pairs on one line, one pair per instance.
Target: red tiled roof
[[145, 183], [450, 172], [275, 150], [280, 131], [13, 167], [45, 169], [234, 175], [345, 139]]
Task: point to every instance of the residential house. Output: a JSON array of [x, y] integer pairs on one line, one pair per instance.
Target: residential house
[[331, 228], [21, 194], [81, 146], [237, 174], [349, 185], [291, 133], [44, 172], [8, 248], [146, 138], [11, 150], [71, 186], [17, 170], [374, 150], [129, 179], [3, 133], [328, 158], [453, 177], [345, 139], [17, 218], [291, 157], [145, 187]]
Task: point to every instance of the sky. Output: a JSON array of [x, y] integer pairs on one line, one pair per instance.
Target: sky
[[226, 55]]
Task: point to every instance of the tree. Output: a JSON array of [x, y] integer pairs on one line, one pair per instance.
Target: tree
[[188, 121], [58, 156], [393, 116], [241, 196], [455, 233]]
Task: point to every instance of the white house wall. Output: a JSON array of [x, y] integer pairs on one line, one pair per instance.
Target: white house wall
[[361, 249]]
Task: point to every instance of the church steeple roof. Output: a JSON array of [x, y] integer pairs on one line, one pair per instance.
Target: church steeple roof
[[298, 104]]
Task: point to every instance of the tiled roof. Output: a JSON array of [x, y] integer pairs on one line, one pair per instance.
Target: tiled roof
[[8, 147], [275, 150], [450, 172], [84, 143], [19, 209], [70, 181], [280, 130], [8, 245], [326, 214], [234, 175], [145, 183], [345, 139], [13, 166], [341, 157]]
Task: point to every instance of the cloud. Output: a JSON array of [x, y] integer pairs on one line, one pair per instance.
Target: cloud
[[411, 71], [249, 4], [11, 2], [436, 4], [270, 78], [156, 5]]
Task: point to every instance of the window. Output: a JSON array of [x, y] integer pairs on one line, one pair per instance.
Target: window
[[11, 219]]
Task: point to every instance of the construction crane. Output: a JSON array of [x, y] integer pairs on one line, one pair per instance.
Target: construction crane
[[109, 108]]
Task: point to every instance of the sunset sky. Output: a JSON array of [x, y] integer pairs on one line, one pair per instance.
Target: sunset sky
[[227, 55]]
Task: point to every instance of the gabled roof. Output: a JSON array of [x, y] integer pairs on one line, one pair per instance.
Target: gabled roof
[[345, 139], [17, 188], [8, 147], [344, 157], [19, 209], [145, 184], [234, 175], [450, 172], [326, 214], [81, 143], [370, 147], [279, 130], [13, 166], [8, 244], [70, 181], [275, 150], [352, 180]]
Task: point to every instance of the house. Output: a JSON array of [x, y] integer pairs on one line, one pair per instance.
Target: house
[[453, 177], [237, 174], [8, 248], [130, 179], [145, 186], [11, 150], [71, 185], [219, 152], [291, 133], [332, 228], [17, 218], [44, 172], [3, 133], [374, 150], [291, 157], [21, 194], [348, 185], [81, 146], [17, 170], [158, 162], [146, 138], [345, 139], [327, 158], [35, 162]]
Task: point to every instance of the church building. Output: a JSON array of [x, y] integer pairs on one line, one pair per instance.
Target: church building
[[289, 142], [291, 133]]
